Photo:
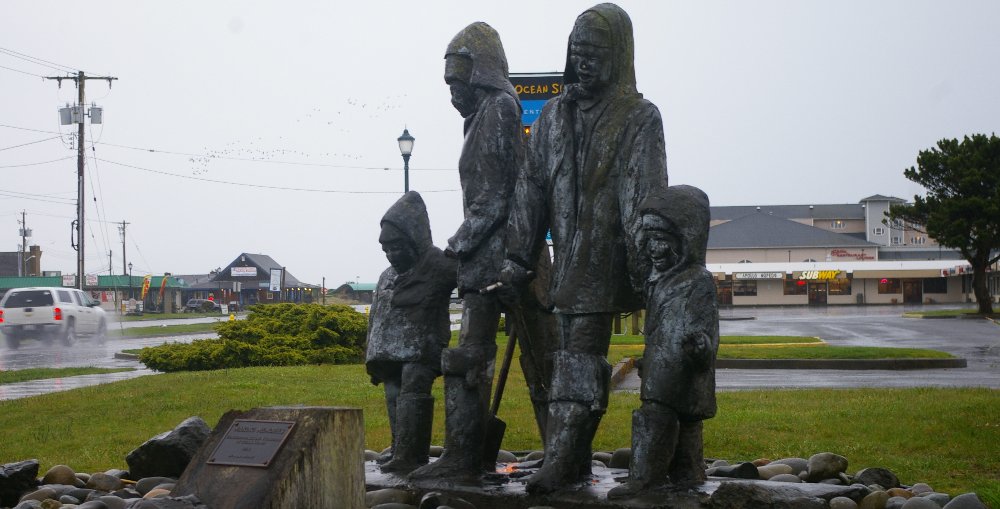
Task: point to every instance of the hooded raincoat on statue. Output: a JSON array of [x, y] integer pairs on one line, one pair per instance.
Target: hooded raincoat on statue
[[491, 155], [591, 161], [682, 311], [409, 319]]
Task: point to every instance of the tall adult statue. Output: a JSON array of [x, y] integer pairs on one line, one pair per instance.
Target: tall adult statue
[[595, 152], [408, 328], [476, 72]]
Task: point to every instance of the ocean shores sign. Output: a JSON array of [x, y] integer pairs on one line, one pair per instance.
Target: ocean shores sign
[[534, 89]]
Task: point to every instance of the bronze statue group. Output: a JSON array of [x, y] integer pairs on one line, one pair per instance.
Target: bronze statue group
[[593, 173]]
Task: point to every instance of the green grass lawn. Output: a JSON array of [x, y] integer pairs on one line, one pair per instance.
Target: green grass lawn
[[946, 313], [165, 316], [166, 330], [949, 438], [25, 375]]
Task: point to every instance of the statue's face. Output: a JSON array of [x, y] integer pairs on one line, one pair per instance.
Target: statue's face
[[590, 53], [662, 246], [457, 74], [397, 248]]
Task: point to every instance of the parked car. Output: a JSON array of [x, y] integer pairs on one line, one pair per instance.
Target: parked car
[[202, 306], [49, 314]]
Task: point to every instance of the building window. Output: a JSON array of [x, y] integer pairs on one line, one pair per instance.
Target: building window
[[838, 224], [745, 288], [935, 285], [896, 241], [839, 287], [920, 239], [889, 285], [795, 287], [878, 230]]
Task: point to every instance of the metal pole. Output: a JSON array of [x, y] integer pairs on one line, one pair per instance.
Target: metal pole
[[406, 173], [23, 268], [81, 81]]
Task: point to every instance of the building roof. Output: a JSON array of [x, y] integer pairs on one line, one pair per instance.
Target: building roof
[[7, 282], [879, 197], [358, 287], [841, 211], [263, 262], [769, 231]]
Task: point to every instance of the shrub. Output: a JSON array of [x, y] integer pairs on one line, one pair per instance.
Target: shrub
[[271, 335]]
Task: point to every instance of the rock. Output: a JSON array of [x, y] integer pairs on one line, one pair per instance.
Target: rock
[[771, 470], [147, 483], [825, 465], [506, 457], [759, 462], [117, 472], [51, 504], [745, 470], [104, 482], [113, 502], [184, 502], [435, 451], [880, 476], [66, 499], [833, 482], [15, 479], [435, 499], [966, 501], [80, 494], [394, 505], [387, 495], [900, 492], [29, 504], [40, 494], [785, 478], [603, 457], [798, 465], [874, 500], [370, 455], [920, 503], [719, 463], [920, 488], [537, 455], [842, 503], [60, 474], [895, 503], [167, 454], [156, 492], [941, 499], [93, 504], [620, 458]]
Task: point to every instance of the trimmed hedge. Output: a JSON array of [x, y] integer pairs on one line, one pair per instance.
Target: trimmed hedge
[[271, 335]]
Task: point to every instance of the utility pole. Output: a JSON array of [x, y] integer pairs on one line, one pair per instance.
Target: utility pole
[[22, 269], [122, 230], [81, 80]]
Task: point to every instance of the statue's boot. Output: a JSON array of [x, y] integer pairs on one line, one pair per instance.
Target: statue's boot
[[688, 465], [579, 395], [462, 458], [392, 388], [415, 413], [654, 437]]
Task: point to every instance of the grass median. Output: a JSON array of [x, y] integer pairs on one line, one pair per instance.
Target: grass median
[[949, 438], [27, 375]]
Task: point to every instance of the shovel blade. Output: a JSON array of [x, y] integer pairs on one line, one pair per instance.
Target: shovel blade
[[495, 429]]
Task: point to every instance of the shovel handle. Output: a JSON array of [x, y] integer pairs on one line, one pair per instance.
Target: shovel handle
[[508, 354]]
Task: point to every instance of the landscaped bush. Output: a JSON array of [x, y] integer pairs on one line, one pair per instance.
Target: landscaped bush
[[271, 335]]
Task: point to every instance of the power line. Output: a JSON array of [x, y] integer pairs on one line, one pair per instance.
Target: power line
[[22, 72], [29, 129], [21, 197], [36, 164], [29, 143], [39, 61], [260, 186]]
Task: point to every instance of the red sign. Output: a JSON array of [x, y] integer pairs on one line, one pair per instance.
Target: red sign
[[843, 253]]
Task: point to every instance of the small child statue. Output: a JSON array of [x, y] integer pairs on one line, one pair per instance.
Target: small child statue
[[682, 338], [408, 327]]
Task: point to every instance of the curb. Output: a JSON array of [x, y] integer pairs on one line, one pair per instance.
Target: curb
[[843, 364], [621, 370], [126, 356]]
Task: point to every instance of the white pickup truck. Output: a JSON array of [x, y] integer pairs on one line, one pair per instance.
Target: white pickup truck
[[50, 313]]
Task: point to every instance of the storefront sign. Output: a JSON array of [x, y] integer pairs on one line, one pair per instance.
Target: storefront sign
[[819, 274], [91, 280], [533, 90], [275, 280], [244, 271], [758, 275], [843, 253]]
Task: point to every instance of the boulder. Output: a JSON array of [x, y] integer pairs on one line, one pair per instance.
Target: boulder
[[842, 503], [920, 503], [966, 501], [169, 453], [880, 476], [825, 465], [620, 458], [15, 479], [60, 474]]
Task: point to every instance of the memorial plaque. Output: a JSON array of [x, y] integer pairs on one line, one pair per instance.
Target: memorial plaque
[[251, 443]]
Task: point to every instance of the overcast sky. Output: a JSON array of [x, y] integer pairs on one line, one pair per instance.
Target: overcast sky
[[270, 127]]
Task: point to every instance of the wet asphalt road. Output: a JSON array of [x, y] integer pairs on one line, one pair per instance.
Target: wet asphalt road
[[976, 340]]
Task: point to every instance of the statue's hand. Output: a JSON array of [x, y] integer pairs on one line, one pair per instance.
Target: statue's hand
[[697, 348], [450, 253], [514, 275]]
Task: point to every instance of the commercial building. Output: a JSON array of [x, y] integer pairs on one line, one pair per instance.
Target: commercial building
[[832, 254]]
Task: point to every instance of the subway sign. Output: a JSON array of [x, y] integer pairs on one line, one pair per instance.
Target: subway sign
[[820, 274], [534, 89]]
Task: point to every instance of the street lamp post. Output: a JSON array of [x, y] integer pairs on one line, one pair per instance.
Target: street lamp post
[[406, 148], [130, 295]]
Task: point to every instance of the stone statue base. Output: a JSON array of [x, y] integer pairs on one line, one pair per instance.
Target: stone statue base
[[505, 490]]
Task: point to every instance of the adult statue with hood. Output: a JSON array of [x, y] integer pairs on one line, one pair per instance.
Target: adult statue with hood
[[477, 74], [596, 151], [681, 339], [408, 328]]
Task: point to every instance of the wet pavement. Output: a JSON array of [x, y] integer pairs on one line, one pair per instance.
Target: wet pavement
[[975, 339]]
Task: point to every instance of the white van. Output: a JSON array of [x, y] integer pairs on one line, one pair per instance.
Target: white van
[[50, 313]]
